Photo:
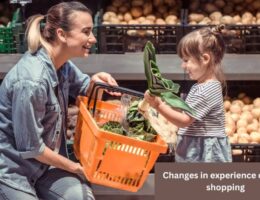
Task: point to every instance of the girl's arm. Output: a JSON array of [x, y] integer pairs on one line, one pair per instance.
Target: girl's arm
[[49, 157], [177, 117]]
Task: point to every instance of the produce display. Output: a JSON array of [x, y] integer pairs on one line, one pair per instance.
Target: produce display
[[224, 12], [243, 119], [158, 12]]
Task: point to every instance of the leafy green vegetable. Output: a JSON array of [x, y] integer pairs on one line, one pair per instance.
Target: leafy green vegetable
[[159, 86], [139, 127]]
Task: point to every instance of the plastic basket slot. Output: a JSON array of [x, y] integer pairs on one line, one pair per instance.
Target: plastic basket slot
[[104, 176]]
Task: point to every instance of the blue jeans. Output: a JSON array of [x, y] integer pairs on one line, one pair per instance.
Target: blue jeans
[[55, 184]]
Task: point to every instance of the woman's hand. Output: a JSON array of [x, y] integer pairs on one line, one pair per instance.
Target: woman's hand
[[103, 77], [154, 101]]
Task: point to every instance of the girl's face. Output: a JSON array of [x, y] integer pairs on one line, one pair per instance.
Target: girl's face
[[80, 39], [194, 69]]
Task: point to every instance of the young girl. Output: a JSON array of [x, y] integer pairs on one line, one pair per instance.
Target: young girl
[[33, 106], [201, 137]]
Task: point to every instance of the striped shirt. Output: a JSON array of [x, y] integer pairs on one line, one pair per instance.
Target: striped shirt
[[207, 101]]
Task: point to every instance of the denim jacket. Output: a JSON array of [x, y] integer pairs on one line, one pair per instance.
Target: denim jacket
[[33, 104]]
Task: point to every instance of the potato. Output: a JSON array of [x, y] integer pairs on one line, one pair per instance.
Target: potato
[[227, 10], [226, 19], [170, 18], [220, 3], [247, 116], [108, 15], [252, 127], [258, 15], [238, 102], [141, 19], [123, 9], [215, 16], [137, 3], [244, 138], [235, 108], [194, 5], [120, 17], [237, 151], [193, 23], [132, 21], [111, 9], [148, 9], [151, 18], [236, 19], [247, 107], [247, 18], [235, 116], [131, 32], [256, 102], [255, 137], [256, 5], [247, 100], [196, 17], [136, 12], [114, 20], [256, 112], [127, 17], [156, 3], [205, 21], [160, 21], [210, 8], [241, 123], [162, 9], [117, 3], [242, 130], [227, 105]]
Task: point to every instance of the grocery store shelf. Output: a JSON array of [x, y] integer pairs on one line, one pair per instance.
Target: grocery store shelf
[[129, 66]]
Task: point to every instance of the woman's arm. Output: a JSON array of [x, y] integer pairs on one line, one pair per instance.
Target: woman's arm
[[49, 157]]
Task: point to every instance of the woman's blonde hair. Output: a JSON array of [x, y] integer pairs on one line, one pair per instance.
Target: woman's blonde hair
[[205, 40], [41, 30]]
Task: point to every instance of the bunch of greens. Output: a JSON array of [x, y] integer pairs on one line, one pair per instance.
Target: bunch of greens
[[159, 86], [139, 127]]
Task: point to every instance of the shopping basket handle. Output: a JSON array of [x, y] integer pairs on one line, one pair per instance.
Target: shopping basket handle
[[98, 85]]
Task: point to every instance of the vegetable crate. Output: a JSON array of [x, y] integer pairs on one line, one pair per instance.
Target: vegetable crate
[[6, 40], [12, 37], [246, 152], [118, 39], [241, 39], [110, 159]]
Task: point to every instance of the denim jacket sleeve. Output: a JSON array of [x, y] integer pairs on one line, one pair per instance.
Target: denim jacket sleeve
[[29, 99], [79, 82]]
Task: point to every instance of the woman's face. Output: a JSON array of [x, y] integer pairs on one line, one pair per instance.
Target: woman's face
[[194, 69], [80, 39]]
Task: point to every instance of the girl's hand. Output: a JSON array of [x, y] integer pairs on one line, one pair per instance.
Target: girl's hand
[[154, 101]]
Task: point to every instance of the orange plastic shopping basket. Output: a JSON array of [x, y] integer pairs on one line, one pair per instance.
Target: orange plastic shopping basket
[[108, 158]]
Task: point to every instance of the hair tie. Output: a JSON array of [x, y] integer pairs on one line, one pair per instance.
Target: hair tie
[[217, 29]]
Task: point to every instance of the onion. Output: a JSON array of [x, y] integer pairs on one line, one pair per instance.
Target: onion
[[255, 137], [256, 102], [235, 108], [227, 105], [241, 123]]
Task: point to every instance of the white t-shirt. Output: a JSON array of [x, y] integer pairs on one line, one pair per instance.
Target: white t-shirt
[[207, 101]]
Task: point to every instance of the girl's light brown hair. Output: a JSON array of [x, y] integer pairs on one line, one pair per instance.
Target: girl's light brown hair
[[205, 40], [58, 16]]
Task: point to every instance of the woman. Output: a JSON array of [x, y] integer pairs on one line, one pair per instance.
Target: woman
[[33, 107]]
